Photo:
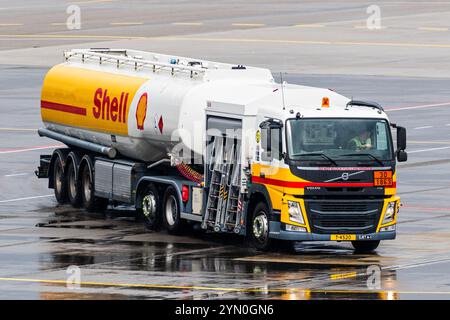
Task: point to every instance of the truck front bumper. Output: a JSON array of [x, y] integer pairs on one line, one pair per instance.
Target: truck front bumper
[[277, 233]]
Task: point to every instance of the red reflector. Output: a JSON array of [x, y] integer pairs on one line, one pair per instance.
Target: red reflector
[[185, 193]]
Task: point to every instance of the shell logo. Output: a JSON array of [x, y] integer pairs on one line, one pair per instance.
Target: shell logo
[[141, 111]]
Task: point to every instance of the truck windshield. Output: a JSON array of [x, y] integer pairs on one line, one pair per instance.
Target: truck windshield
[[339, 139]]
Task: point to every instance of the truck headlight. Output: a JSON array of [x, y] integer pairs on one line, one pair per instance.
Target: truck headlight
[[390, 212], [295, 212]]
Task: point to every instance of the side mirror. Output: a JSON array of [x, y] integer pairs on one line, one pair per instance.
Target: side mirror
[[401, 138], [402, 156]]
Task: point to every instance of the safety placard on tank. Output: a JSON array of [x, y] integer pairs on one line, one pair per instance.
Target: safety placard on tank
[[88, 99]]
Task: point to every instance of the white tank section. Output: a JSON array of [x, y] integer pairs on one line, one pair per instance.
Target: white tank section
[[177, 89]]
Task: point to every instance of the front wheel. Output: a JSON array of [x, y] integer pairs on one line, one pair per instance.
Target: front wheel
[[365, 246], [259, 228]]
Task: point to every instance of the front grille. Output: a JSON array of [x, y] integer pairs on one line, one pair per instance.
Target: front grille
[[343, 206], [343, 216]]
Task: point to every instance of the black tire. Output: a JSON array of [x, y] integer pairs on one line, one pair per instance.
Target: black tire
[[59, 182], [150, 210], [259, 228], [170, 212], [365, 246], [73, 186], [87, 189]]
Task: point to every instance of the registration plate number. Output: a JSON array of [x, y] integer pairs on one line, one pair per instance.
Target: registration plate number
[[343, 237]]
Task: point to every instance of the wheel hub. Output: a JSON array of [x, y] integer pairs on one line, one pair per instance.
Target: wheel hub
[[171, 210], [87, 186], [72, 183], [260, 227], [58, 178], [149, 205]]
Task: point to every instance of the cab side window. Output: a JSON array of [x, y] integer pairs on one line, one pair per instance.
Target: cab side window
[[271, 143]]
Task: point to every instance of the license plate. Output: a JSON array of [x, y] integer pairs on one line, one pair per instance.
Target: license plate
[[343, 237], [382, 178]]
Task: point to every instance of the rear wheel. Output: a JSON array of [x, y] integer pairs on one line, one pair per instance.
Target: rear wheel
[[73, 187], [88, 199], [150, 210], [365, 246], [259, 228], [171, 211], [59, 182]]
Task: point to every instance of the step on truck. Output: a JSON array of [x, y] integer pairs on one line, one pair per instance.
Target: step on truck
[[223, 147]]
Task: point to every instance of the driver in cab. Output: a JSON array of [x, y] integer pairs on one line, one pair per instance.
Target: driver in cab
[[362, 141]]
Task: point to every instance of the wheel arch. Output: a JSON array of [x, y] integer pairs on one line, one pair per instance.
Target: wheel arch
[[257, 193], [160, 183]]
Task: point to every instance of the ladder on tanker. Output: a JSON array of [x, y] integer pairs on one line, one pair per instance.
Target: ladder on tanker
[[216, 173], [232, 219], [222, 209]]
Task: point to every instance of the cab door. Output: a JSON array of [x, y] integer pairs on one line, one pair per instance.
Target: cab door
[[270, 171]]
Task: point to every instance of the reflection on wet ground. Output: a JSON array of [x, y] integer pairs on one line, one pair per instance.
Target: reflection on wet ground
[[119, 259], [115, 255]]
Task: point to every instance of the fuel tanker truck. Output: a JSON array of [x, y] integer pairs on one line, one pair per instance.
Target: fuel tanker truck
[[221, 147]]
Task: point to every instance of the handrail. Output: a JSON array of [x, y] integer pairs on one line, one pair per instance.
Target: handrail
[[103, 57]]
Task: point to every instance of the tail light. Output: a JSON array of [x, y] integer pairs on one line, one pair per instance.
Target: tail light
[[185, 193]]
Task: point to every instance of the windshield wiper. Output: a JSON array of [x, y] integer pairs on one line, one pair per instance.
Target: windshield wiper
[[364, 154], [316, 154]]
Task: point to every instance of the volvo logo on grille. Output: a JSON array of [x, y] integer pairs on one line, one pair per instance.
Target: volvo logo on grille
[[345, 176]]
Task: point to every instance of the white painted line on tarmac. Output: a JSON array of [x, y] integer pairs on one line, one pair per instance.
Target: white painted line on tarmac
[[309, 26], [418, 264], [17, 129], [17, 174], [366, 27], [432, 29], [424, 127], [126, 23], [431, 149], [423, 106], [187, 23], [31, 149], [248, 24], [26, 198]]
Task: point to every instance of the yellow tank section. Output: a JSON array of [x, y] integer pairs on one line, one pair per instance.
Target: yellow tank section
[[88, 99]]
